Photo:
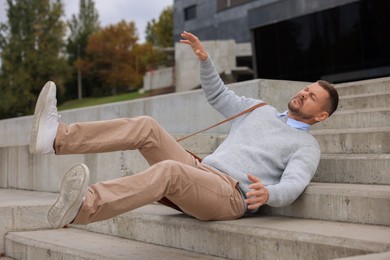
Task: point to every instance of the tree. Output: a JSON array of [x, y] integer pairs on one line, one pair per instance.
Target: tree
[[32, 45], [81, 27], [147, 58], [160, 33], [109, 57]]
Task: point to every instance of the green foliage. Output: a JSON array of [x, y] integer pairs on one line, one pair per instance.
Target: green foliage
[[94, 101], [148, 58], [33, 51], [81, 26], [109, 57], [160, 33], [32, 45]]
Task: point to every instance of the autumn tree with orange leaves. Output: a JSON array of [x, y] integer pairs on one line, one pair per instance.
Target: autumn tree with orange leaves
[[116, 61], [109, 57]]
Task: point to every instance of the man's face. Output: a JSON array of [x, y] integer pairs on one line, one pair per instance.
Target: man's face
[[308, 105]]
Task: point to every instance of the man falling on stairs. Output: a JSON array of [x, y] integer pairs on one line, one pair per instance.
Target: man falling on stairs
[[267, 158]]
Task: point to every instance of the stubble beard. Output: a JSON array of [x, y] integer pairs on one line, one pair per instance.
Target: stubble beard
[[296, 111]]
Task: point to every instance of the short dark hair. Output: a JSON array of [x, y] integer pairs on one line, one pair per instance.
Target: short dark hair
[[333, 96]]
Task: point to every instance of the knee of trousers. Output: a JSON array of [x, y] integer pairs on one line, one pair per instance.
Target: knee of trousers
[[169, 170], [168, 166], [146, 120], [147, 123]]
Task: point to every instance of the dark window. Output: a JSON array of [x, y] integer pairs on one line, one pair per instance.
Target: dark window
[[344, 43], [190, 12]]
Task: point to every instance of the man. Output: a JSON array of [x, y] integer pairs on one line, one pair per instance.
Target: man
[[267, 158]]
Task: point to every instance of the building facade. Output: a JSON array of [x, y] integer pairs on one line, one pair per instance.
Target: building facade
[[304, 40]]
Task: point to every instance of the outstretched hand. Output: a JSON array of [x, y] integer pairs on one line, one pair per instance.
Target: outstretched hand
[[258, 195], [195, 44]]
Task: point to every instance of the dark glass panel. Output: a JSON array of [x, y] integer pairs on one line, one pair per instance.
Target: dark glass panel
[[345, 39]]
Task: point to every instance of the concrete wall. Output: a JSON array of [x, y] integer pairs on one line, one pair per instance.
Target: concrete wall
[[243, 49], [160, 78], [179, 113], [223, 54]]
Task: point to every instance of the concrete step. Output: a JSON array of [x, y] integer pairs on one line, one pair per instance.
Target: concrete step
[[364, 86], [353, 203], [379, 256], [354, 168], [354, 140], [351, 168], [21, 170], [253, 237], [343, 154], [346, 140], [23, 210], [358, 118], [73, 243], [256, 237], [360, 101]]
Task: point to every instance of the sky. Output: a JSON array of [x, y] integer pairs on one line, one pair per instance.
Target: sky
[[113, 11]]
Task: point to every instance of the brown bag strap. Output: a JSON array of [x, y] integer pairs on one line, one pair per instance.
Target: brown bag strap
[[224, 121]]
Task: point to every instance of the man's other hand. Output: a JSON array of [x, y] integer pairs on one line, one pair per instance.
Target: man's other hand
[[258, 195]]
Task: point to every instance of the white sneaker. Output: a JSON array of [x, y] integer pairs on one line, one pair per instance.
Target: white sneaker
[[45, 121], [73, 189]]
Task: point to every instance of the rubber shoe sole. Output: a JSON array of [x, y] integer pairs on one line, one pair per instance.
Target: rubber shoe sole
[[73, 189], [40, 113]]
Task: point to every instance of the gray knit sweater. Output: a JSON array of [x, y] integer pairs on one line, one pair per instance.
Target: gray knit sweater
[[282, 157]]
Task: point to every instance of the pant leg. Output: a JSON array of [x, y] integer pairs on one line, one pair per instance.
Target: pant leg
[[201, 191], [142, 133]]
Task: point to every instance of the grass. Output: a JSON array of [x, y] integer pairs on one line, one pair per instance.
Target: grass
[[86, 102]]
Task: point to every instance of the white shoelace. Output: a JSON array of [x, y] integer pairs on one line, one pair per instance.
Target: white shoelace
[[54, 111], [55, 115]]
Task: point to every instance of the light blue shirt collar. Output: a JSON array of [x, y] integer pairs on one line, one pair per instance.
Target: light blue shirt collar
[[294, 123]]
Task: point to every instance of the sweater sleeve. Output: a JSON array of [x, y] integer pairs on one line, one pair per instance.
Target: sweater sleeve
[[218, 95], [295, 178]]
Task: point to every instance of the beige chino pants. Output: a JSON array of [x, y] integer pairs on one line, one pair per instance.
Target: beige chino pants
[[197, 189]]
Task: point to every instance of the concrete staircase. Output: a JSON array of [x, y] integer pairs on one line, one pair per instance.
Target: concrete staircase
[[343, 214]]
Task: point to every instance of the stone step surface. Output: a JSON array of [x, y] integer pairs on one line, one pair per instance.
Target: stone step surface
[[365, 100], [73, 243], [23, 210], [340, 167], [253, 237], [364, 86], [354, 168], [374, 140], [154, 222], [345, 194], [353, 203], [379, 256], [346, 140], [45, 171], [359, 118], [351, 168]]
